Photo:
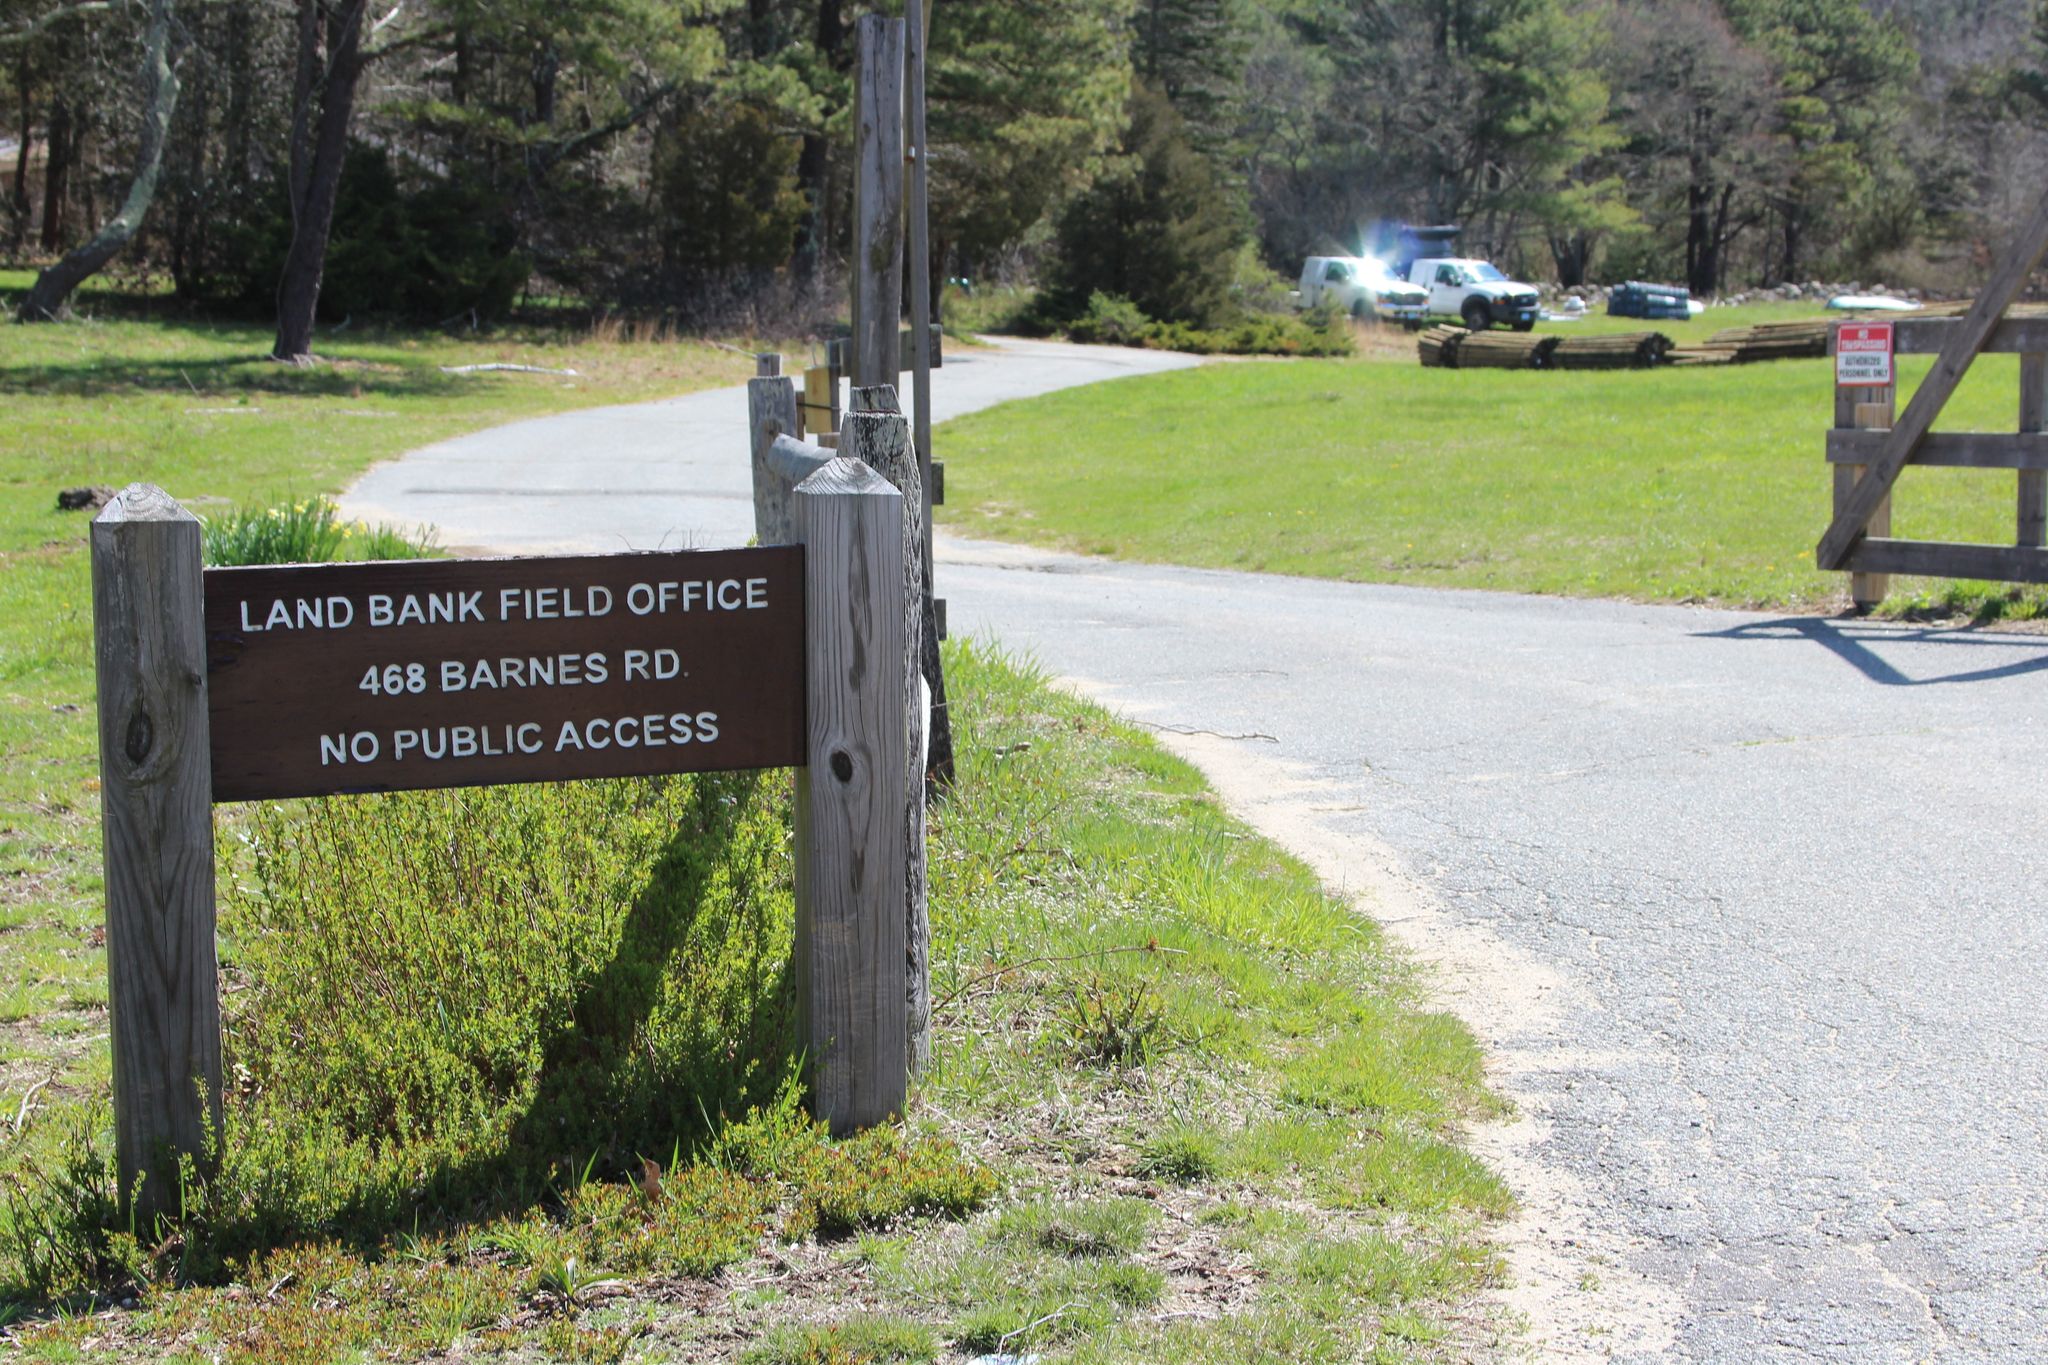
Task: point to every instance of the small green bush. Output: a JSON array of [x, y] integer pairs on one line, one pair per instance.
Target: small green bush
[[1111, 320], [1079, 1230], [1158, 226], [1115, 321], [57, 1211], [421, 245]]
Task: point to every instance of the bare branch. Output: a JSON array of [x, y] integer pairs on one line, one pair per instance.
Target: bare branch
[[570, 148], [53, 17]]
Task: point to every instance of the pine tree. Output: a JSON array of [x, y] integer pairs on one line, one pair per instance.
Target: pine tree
[[1159, 229]]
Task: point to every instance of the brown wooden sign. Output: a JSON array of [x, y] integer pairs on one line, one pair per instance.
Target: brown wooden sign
[[453, 673]]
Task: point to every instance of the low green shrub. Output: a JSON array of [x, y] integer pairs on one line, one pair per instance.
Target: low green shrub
[[545, 970], [1077, 1230], [1183, 1153], [967, 308], [58, 1224], [862, 1182], [1111, 320], [1114, 321]]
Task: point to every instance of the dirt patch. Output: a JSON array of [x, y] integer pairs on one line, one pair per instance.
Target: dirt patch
[[1571, 1287]]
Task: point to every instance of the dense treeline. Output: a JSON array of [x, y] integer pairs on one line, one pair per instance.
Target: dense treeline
[[444, 158]]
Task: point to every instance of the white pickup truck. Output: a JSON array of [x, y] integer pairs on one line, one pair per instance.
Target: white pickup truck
[[1475, 293], [1361, 286]]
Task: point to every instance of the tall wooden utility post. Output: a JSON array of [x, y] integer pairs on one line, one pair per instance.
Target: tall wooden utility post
[[877, 201], [917, 23], [889, 129], [875, 366]]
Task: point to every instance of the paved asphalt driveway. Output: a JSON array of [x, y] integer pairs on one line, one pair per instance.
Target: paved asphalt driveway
[[671, 474], [1783, 874], [1786, 870]]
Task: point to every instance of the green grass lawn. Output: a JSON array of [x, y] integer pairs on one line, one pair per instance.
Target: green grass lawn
[[1185, 1105], [1703, 485], [195, 408]]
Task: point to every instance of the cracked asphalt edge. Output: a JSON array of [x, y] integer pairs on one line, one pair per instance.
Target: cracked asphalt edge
[[1572, 1293]]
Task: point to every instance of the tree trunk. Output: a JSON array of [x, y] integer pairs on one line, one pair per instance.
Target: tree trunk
[[1572, 253], [458, 83], [193, 200], [316, 170], [547, 69], [241, 64], [18, 234], [88, 183], [814, 161], [56, 171], [1700, 261], [51, 295], [1723, 234]]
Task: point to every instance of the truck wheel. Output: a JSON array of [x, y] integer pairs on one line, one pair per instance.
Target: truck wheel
[[1528, 326], [1476, 315]]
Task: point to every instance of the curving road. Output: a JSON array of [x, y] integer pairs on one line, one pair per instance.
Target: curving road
[[670, 474], [1745, 907]]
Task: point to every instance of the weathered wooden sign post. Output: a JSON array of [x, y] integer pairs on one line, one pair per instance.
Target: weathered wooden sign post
[[259, 683]]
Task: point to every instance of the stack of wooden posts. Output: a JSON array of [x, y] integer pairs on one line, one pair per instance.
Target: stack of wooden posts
[[1620, 351], [1505, 351], [1438, 347], [1454, 348], [1801, 340]]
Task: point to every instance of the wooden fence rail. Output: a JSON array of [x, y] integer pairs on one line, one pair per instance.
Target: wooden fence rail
[[1863, 437], [1854, 540]]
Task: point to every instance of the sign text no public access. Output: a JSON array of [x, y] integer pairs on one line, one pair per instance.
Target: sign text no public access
[[447, 673]]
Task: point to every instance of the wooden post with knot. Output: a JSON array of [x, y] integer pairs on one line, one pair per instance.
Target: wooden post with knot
[[156, 808]]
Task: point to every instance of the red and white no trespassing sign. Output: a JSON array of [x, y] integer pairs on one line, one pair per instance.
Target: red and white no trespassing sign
[[1863, 355]]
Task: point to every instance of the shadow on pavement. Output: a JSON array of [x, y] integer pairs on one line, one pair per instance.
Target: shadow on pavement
[[1857, 643]]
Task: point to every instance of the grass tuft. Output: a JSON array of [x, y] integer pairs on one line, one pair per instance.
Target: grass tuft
[[872, 1340], [309, 531], [1111, 1227], [1185, 1153]]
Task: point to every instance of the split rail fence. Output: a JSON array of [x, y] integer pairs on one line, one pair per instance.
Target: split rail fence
[[1869, 447]]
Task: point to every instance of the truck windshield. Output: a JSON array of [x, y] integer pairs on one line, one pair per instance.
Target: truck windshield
[[1485, 271]]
